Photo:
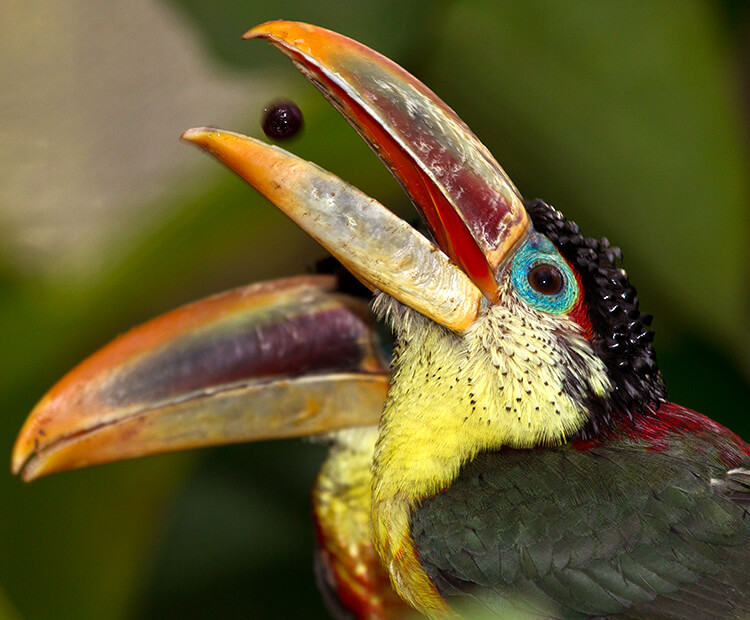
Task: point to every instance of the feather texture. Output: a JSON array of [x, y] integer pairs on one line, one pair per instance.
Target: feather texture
[[618, 528]]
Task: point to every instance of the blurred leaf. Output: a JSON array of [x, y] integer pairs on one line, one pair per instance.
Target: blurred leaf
[[7, 612], [703, 378], [247, 515], [626, 117]]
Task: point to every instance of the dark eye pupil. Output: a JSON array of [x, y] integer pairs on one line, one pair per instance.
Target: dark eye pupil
[[546, 279], [281, 120]]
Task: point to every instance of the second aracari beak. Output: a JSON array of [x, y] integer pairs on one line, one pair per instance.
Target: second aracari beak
[[293, 357]]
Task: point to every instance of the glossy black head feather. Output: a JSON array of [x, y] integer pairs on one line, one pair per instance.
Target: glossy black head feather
[[622, 334]]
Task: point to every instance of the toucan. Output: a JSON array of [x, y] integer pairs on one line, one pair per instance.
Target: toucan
[[518, 454]]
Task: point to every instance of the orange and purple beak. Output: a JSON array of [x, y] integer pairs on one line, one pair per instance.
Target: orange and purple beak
[[278, 359], [293, 357]]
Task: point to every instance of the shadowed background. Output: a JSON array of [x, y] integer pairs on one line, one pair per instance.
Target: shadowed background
[[631, 118]]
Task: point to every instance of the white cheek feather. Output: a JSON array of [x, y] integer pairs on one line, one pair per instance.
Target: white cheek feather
[[537, 371]]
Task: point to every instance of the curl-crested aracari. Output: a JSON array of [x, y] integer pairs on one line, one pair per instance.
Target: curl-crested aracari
[[519, 453]]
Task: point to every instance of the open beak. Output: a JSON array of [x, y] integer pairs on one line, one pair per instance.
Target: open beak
[[471, 207], [292, 357]]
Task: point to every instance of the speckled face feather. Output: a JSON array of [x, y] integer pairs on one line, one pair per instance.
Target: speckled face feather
[[518, 376]]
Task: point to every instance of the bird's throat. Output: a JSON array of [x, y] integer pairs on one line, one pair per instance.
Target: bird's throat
[[512, 379], [504, 382]]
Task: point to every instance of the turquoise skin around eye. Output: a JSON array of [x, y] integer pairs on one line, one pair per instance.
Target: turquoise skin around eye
[[538, 250]]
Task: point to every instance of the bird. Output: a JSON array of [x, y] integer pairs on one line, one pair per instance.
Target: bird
[[517, 455]]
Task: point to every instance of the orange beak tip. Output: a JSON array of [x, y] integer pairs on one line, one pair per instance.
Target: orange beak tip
[[205, 138], [195, 135], [250, 34], [265, 29], [16, 462]]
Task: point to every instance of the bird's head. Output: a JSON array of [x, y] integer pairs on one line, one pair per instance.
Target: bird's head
[[511, 327], [508, 321]]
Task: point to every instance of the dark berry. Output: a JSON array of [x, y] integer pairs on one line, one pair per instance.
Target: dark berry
[[281, 120]]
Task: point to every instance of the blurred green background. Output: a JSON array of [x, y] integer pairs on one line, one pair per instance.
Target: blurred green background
[[632, 118]]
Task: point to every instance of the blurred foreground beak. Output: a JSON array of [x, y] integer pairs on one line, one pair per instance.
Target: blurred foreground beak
[[278, 359]]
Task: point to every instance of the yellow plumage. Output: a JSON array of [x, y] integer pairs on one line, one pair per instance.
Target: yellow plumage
[[504, 382]]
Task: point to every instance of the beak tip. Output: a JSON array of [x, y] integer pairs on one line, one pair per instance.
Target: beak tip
[[28, 472], [287, 34], [263, 30], [203, 137], [193, 135], [18, 459], [32, 440], [24, 449]]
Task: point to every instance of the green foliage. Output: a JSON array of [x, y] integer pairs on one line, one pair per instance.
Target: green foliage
[[390, 26], [627, 118]]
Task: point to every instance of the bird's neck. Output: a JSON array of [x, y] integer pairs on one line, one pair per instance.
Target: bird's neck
[[505, 382], [453, 396]]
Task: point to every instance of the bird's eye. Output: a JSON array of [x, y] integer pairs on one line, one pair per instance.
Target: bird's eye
[[281, 120], [542, 277], [546, 279]]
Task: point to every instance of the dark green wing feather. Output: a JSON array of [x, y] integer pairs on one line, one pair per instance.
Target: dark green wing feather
[[613, 530]]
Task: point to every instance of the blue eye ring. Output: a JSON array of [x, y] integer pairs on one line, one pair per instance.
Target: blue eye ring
[[542, 278]]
